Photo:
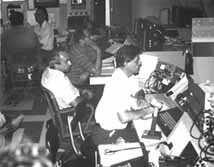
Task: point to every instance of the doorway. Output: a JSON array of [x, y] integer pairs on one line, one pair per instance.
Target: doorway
[[99, 12]]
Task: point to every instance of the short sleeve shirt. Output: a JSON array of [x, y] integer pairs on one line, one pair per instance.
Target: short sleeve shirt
[[45, 34], [59, 84], [116, 98]]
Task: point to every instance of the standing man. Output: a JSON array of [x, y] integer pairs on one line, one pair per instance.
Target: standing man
[[45, 33]]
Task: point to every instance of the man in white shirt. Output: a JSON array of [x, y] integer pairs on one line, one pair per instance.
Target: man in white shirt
[[118, 93], [45, 34], [54, 78], [43, 29], [116, 106]]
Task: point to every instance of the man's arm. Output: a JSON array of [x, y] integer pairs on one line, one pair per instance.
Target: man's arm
[[134, 114], [84, 95]]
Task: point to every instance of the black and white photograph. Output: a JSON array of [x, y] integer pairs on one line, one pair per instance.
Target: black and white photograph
[[107, 83]]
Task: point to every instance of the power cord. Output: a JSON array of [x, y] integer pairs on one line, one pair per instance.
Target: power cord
[[205, 119]]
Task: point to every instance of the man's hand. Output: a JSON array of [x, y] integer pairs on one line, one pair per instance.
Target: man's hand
[[84, 95], [87, 94], [140, 95], [156, 104], [84, 77], [96, 71]]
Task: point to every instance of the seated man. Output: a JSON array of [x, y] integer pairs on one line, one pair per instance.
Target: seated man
[[55, 79], [115, 108], [87, 57]]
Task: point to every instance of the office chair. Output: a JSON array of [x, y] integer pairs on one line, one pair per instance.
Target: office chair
[[59, 116], [64, 130]]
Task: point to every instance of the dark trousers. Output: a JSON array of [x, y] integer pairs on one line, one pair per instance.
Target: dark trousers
[[101, 136]]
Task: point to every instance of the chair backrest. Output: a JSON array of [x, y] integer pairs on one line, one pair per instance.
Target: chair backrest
[[58, 116]]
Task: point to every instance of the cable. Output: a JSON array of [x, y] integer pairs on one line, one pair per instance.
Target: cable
[[196, 120], [206, 139], [191, 128]]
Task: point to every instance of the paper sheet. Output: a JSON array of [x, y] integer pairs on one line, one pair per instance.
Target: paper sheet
[[108, 60], [114, 48], [148, 65], [120, 156]]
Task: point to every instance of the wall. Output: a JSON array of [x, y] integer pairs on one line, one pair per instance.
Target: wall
[[203, 69], [143, 8]]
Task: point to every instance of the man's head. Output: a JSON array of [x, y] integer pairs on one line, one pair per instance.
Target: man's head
[[128, 58], [41, 15], [60, 61], [16, 18], [81, 36]]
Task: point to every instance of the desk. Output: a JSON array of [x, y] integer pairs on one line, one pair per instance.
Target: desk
[[125, 152], [141, 125], [179, 136], [106, 72]]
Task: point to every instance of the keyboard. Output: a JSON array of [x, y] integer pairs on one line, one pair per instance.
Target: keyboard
[[168, 119]]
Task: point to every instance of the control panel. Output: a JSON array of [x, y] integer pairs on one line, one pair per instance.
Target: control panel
[[163, 78], [192, 102]]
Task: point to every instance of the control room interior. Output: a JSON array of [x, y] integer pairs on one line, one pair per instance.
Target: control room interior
[[177, 39]]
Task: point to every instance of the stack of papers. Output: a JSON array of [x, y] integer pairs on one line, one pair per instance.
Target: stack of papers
[[107, 66], [107, 69], [106, 72]]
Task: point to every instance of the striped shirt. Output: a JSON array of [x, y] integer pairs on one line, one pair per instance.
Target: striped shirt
[[83, 60]]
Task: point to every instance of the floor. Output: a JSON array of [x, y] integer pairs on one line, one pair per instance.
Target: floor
[[30, 103]]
